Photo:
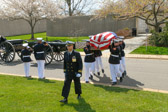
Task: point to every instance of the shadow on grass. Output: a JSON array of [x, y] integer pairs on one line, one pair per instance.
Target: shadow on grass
[[46, 81], [29, 78], [127, 81], [82, 106]]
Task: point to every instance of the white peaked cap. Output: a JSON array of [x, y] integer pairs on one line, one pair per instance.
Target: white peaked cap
[[121, 37], [25, 44], [39, 38]]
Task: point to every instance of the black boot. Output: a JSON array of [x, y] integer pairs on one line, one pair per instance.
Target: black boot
[[103, 71], [91, 77], [65, 100], [125, 73], [98, 73], [121, 79], [79, 96], [87, 82]]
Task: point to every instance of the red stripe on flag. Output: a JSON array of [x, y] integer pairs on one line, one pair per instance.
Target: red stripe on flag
[[94, 37], [105, 47], [100, 36], [101, 42], [107, 36]]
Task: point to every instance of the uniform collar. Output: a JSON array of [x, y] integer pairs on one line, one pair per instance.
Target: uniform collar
[[71, 52]]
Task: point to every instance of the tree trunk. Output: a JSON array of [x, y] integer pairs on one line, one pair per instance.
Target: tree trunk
[[69, 7], [157, 28], [32, 33]]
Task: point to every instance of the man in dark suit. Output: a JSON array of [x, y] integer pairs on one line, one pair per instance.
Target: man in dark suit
[[72, 70]]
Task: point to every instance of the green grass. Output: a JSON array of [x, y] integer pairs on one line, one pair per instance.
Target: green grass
[[43, 35], [79, 50], [151, 50], [18, 94]]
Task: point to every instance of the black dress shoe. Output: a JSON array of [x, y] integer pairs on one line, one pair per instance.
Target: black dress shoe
[[102, 70], [79, 96], [91, 77], [114, 83], [87, 82], [98, 73], [121, 79], [64, 100], [125, 73]]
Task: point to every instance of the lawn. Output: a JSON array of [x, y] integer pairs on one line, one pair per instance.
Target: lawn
[[151, 50], [18, 94], [43, 35], [48, 38]]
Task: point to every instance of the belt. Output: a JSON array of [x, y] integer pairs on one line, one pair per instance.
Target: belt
[[40, 52], [89, 54], [26, 56], [114, 55]]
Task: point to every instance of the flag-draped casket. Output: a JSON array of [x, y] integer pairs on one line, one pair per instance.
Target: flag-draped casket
[[102, 40]]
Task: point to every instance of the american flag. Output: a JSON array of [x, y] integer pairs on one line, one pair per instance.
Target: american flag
[[102, 40]]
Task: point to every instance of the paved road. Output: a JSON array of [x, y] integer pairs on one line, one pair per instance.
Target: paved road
[[133, 43], [142, 73]]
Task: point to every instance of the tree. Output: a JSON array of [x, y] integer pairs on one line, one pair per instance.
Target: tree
[[76, 7], [31, 11], [153, 12]]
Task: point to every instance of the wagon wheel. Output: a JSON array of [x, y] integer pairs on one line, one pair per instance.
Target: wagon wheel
[[7, 53], [59, 56], [48, 55]]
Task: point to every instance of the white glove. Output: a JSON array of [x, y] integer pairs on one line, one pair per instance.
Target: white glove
[[78, 75], [28, 47]]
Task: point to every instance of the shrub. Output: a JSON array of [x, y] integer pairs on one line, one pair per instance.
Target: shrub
[[126, 32], [159, 39]]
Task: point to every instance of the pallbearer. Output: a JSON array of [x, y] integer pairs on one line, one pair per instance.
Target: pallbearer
[[122, 44], [40, 56], [98, 61], [121, 66], [72, 70], [89, 62], [114, 61], [25, 57]]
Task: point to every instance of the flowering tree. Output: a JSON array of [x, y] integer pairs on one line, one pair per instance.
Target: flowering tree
[[31, 11], [153, 12]]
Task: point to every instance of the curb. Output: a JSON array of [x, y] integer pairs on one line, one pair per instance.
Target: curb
[[140, 56], [120, 86], [137, 56]]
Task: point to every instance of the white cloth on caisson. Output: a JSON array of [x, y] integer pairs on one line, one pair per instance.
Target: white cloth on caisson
[[115, 72], [27, 68], [41, 64], [98, 63], [123, 63], [89, 68]]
